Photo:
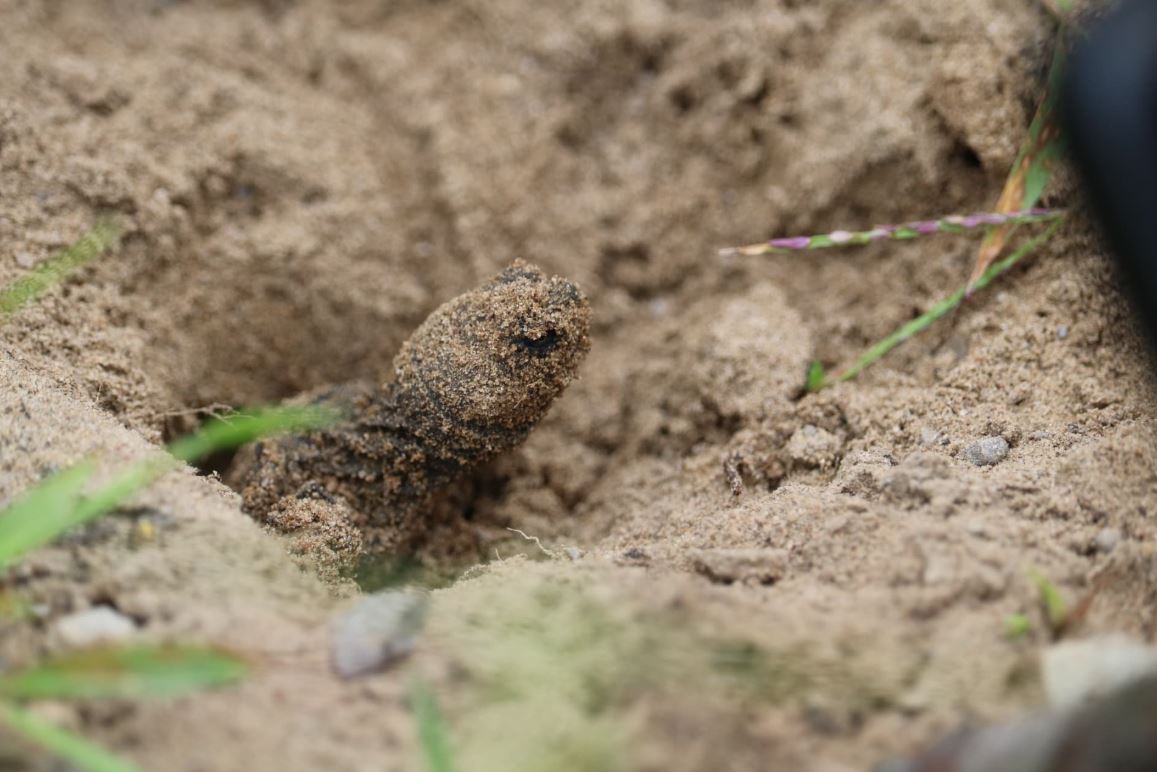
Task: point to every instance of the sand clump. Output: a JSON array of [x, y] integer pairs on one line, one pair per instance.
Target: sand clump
[[300, 184]]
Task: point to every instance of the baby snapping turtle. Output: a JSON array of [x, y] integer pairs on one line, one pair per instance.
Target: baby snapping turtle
[[470, 383]]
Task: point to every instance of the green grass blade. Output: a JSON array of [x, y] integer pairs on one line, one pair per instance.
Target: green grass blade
[[1060, 9], [130, 480], [72, 748], [46, 513], [1017, 626], [919, 324], [816, 377], [1053, 603], [49, 273], [37, 518], [135, 671], [433, 735], [55, 506], [233, 431]]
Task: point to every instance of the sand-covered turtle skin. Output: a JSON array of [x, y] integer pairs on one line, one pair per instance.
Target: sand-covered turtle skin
[[470, 383]]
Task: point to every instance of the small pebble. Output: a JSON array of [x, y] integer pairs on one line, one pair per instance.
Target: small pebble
[[1107, 540], [25, 259], [987, 451], [660, 308], [930, 437], [976, 528], [91, 627], [142, 534], [377, 632], [574, 553], [1019, 396], [1063, 331]]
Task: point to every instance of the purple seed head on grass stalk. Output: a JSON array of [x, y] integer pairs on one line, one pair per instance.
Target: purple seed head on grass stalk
[[949, 224], [797, 242]]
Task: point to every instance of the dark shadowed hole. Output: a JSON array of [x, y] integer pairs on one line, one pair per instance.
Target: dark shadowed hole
[[963, 152], [541, 346]]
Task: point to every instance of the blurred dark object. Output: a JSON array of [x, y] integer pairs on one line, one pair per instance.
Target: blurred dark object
[[1109, 108], [1116, 734]]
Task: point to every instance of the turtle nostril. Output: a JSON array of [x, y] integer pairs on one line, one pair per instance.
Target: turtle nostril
[[540, 346]]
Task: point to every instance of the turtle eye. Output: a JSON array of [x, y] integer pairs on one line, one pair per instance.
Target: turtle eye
[[539, 346]]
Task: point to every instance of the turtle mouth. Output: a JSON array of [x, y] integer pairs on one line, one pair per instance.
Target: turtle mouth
[[541, 345]]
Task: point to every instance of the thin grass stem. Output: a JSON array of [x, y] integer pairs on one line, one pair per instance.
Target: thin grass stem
[[71, 747], [919, 324]]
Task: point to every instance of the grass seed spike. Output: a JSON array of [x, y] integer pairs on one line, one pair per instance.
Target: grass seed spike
[[951, 224]]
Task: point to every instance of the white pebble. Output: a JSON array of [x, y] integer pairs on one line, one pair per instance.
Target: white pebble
[[930, 437], [92, 627]]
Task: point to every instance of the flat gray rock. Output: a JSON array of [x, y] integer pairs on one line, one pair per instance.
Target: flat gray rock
[[986, 451], [378, 631]]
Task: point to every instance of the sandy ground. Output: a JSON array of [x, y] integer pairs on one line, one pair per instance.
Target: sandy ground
[[302, 182]]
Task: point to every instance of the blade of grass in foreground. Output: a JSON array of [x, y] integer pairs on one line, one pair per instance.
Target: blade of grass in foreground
[[68, 746], [55, 506], [433, 736], [49, 273], [30, 520], [914, 327], [135, 671]]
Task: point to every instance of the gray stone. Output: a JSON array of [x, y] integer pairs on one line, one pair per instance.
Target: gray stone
[[1107, 540], [378, 631], [92, 627], [986, 451], [930, 437]]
